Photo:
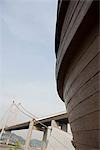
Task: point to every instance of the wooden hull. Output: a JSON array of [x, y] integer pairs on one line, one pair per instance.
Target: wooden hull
[[78, 70]]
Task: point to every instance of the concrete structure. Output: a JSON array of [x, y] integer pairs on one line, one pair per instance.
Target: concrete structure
[[59, 140], [61, 119], [78, 69], [27, 142], [58, 121]]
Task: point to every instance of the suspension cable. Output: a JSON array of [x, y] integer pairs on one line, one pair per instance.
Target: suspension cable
[[28, 111], [6, 112], [24, 112], [31, 116], [36, 118], [9, 108], [5, 122]]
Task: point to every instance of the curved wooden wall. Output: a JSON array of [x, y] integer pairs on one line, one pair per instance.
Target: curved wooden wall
[[78, 70]]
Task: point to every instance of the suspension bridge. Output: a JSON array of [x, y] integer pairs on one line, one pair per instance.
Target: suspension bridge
[[9, 124]]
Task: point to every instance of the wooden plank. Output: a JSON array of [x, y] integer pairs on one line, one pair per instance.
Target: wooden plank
[[83, 77], [70, 33], [91, 87], [69, 61], [87, 106], [71, 10], [74, 47], [72, 28], [84, 147], [86, 123], [85, 57], [89, 138]]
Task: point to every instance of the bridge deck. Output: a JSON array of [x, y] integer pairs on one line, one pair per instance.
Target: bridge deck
[[60, 118]]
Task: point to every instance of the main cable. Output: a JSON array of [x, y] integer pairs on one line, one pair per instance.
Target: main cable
[[24, 112], [36, 118], [5, 122], [31, 116], [6, 112]]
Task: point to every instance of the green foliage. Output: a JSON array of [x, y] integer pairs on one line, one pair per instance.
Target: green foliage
[[10, 148], [17, 145]]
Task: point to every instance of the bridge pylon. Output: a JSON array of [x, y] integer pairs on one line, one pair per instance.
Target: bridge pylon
[[28, 138]]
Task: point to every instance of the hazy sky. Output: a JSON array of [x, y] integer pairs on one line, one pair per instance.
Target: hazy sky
[[27, 56]]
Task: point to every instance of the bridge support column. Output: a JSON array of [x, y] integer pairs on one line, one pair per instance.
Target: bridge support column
[[8, 138], [27, 142], [2, 131], [64, 127], [44, 140], [54, 124]]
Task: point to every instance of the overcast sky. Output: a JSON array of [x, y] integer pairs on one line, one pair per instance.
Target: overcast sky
[[27, 56]]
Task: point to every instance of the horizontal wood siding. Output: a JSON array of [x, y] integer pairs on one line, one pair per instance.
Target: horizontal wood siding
[[79, 14], [87, 106], [78, 72], [89, 138], [81, 94], [87, 122], [88, 53], [87, 74], [85, 147]]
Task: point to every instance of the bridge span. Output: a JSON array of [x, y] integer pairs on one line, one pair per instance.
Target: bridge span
[[60, 119]]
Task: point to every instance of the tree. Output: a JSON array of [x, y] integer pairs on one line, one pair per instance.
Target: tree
[[17, 145]]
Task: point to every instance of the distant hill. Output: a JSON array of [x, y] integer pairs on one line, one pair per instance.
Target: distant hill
[[15, 138], [35, 143]]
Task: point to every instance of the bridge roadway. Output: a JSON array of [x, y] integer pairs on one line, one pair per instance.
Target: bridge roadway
[[61, 119]]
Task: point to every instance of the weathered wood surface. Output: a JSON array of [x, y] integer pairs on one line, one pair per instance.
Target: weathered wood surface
[[78, 72]]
